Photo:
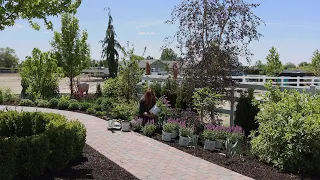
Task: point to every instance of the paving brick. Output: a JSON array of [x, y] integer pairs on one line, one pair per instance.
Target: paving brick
[[144, 157]]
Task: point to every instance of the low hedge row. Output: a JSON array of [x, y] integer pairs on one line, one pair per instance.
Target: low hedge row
[[32, 142]]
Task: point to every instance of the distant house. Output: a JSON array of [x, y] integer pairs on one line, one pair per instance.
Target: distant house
[[294, 73]]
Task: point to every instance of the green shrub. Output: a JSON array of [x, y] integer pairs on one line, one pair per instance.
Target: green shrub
[[91, 110], [111, 87], [99, 91], [42, 103], [157, 89], [31, 142], [288, 135], [84, 106], [246, 112], [149, 129], [8, 154], [99, 101], [107, 104], [63, 104], [26, 102], [8, 96], [100, 113], [1, 96], [53, 103], [97, 107], [125, 111], [73, 106]]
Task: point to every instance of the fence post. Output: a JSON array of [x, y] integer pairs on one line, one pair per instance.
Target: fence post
[[313, 90], [232, 102], [298, 81]]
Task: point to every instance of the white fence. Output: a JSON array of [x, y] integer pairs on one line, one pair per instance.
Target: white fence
[[301, 84]]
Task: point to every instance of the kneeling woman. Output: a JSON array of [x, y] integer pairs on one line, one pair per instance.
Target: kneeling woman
[[147, 101]]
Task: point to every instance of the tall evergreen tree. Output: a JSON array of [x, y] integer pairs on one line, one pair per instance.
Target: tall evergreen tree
[[109, 48], [274, 66]]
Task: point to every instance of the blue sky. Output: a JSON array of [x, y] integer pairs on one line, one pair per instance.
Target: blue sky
[[292, 27]]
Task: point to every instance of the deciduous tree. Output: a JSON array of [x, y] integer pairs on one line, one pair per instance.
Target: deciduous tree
[[12, 10], [8, 58], [212, 34], [168, 55], [40, 74], [71, 48]]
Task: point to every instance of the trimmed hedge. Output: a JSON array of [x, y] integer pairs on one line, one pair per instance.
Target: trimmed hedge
[[31, 142]]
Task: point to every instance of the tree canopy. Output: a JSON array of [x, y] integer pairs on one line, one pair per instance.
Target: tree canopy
[[12, 10], [110, 47], [168, 55], [71, 48], [8, 58], [274, 66], [315, 61]]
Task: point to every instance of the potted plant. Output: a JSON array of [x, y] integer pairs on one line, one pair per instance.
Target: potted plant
[[175, 123], [137, 124], [167, 131], [149, 128], [209, 139], [184, 134], [221, 135], [125, 113]]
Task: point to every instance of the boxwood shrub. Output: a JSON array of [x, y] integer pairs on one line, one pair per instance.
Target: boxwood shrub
[[53, 103], [26, 102], [31, 142], [73, 106], [42, 103], [288, 135], [84, 106]]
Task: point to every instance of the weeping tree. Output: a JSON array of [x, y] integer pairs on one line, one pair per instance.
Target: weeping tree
[[211, 35], [110, 47], [71, 48]]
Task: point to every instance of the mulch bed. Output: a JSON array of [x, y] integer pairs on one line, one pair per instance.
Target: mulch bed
[[90, 165], [250, 166]]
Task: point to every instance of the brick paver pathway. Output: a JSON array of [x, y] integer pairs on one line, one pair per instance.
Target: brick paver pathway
[[144, 157]]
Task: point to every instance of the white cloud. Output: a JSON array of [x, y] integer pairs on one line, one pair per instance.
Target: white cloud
[[147, 33]]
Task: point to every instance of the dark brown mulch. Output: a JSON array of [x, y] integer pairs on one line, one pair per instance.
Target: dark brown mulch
[[250, 167], [90, 165]]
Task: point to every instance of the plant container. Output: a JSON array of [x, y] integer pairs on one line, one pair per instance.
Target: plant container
[[209, 145], [174, 134], [166, 136], [219, 143], [125, 126], [184, 141]]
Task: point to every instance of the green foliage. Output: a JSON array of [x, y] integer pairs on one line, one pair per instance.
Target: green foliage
[[111, 87], [99, 91], [130, 75], [169, 127], [91, 110], [157, 89], [41, 74], [31, 142], [53, 103], [71, 48], [168, 54], [30, 9], [230, 149], [42, 103], [26, 102], [125, 111], [63, 104], [184, 132], [8, 158], [315, 62], [209, 135], [110, 47], [8, 96], [1, 96], [274, 66], [97, 107], [170, 90], [34, 152], [73, 106], [100, 113], [205, 101], [149, 129], [8, 57], [246, 112], [84, 106], [289, 131]]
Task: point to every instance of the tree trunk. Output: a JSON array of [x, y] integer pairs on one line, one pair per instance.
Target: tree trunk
[[71, 86]]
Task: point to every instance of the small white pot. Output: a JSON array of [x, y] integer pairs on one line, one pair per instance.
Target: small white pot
[[209, 145], [174, 134], [219, 143], [166, 136], [184, 141], [125, 126]]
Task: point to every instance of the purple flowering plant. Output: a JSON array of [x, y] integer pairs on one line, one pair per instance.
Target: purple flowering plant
[[184, 131], [149, 128], [137, 124]]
